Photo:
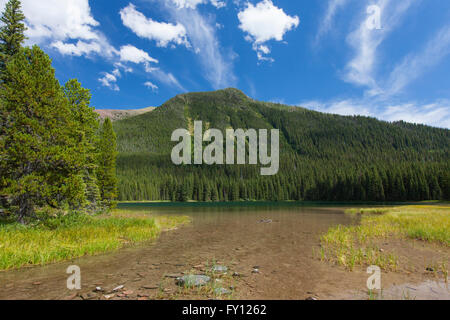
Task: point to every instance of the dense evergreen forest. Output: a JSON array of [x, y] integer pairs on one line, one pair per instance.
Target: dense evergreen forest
[[54, 153], [322, 156]]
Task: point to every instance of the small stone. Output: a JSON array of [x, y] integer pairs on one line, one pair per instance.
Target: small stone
[[381, 250], [142, 298], [129, 292], [221, 291], [150, 287], [219, 269], [255, 270], [143, 295], [98, 289], [174, 276], [235, 274], [311, 299], [37, 283], [430, 269], [108, 296], [192, 281], [118, 288]]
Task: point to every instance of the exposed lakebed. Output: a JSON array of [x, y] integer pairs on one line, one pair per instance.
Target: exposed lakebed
[[268, 251]]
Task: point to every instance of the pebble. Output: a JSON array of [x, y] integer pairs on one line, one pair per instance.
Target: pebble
[[118, 288]]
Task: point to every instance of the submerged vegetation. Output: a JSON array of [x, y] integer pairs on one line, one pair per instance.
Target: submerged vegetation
[[355, 245], [61, 237]]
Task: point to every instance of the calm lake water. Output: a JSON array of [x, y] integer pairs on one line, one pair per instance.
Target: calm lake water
[[279, 239]]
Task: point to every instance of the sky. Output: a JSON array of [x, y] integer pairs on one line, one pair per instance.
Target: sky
[[387, 59]]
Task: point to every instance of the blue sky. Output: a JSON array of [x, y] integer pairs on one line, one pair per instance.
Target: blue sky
[[330, 56]]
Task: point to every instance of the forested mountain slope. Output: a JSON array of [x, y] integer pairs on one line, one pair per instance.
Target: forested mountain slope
[[322, 156]]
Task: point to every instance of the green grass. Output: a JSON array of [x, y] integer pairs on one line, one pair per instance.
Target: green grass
[[58, 239], [350, 246]]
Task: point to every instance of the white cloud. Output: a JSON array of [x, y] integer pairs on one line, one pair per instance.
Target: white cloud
[[80, 48], [163, 33], [415, 65], [109, 80], [217, 64], [328, 19], [60, 23], [130, 53], [264, 22], [151, 86], [365, 42], [436, 113], [167, 78], [192, 4]]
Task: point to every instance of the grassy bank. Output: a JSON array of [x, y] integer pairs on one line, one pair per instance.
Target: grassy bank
[[351, 246], [58, 239]]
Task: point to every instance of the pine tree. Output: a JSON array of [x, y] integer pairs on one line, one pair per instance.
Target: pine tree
[[87, 126], [106, 173], [41, 159], [12, 33]]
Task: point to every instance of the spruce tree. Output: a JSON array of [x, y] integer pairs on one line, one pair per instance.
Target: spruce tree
[[87, 126], [41, 160], [106, 173], [12, 33]]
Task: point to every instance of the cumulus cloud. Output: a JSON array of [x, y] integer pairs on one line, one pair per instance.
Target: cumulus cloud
[[109, 80], [130, 53], [161, 32], [264, 22], [67, 25]]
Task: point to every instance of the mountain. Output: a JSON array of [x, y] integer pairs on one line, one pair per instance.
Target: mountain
[[115, 115], [322, 156]]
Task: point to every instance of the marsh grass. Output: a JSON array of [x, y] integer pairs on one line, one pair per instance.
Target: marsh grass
[[54, 239], [352, 246]]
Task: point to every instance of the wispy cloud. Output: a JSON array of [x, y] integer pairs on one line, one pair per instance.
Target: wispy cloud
[[202, 34], [365, 42], [414, 65], [327, 20], [435, 113]]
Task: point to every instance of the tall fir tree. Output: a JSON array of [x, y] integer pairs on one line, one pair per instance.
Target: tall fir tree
[[41, 159], [87, 128], [106, 173], [12, 33]]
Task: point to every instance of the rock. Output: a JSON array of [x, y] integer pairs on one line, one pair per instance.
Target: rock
[[381, 250], [98, 289], [311, 299], [174, 276], [266, 221], [128, 292], [37, 283], [255, 270], [150, 287], [142, 298], [430, 269], [192, 281], [235, 274], [221, 291], [108, 296], [118, 288], [219, 269]]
